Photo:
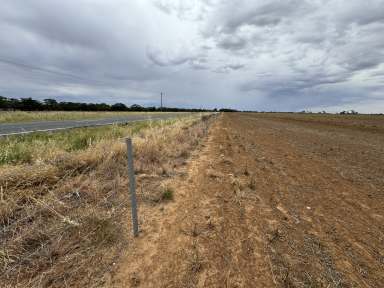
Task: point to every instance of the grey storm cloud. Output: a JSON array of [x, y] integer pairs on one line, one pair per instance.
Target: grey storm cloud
[[228, 68], [232, 42], [260, 13], [158, 58], [262, 55]]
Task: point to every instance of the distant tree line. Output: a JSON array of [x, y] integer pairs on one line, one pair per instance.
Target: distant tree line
[[29, 104]]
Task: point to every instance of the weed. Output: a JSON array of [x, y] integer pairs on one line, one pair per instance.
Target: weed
[[167, 194], [195, 260], [16, 153], [79, 142]]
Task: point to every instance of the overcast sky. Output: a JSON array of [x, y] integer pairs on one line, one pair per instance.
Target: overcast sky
[[285, 55]]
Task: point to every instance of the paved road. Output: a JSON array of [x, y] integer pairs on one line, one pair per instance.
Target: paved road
[[41, 126]]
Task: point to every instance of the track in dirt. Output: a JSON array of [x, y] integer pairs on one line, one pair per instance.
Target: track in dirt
[[270, 202]]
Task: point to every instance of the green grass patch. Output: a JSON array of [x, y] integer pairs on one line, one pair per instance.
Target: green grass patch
[[167, 194], [23, 116], [20, 149]]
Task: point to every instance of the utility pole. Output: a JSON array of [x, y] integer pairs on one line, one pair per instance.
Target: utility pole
[[161, 101]]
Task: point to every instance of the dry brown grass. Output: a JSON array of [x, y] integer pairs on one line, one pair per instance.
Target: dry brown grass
[[63, 220]]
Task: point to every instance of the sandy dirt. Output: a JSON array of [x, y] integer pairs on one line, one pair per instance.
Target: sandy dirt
[[269, 202]]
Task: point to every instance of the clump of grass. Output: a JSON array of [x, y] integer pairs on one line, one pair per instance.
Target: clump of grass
[[104, 230], [167, 194], [15, 153], [153, 194]]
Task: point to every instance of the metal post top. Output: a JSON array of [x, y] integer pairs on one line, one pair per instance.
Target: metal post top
[[128, 140]]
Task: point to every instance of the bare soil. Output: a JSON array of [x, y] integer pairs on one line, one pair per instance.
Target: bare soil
[[269, 202]]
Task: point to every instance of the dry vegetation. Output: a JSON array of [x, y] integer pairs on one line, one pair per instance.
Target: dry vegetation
[[63, 215], [40, 146], [367, 122], [270, 202], [24, 116]]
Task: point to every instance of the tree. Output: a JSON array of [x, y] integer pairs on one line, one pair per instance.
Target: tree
[[4, 103], [50, 104], [136, 107], [119, 107], [227, 110], [28, 104]]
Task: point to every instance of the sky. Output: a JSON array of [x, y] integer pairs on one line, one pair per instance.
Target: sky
[[264, 55]]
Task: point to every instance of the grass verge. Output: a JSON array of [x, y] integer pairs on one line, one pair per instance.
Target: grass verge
[[40, 146], [63, 215], [23, 116]]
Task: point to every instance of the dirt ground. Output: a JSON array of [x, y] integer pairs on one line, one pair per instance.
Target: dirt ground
[[269, 202]]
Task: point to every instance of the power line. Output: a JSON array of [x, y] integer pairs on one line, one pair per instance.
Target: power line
[[37, 77], [29, 67]]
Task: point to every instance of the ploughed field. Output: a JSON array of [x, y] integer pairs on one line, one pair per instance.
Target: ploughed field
[[272, 200], [316, 201]]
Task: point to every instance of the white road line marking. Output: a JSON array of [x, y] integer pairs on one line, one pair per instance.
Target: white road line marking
[[72, 127]]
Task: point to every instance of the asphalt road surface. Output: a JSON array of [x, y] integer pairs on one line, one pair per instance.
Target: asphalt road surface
[[42, 126]]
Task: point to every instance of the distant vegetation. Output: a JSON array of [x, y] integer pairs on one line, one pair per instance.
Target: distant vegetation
[[29, 104]]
